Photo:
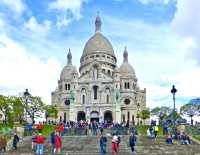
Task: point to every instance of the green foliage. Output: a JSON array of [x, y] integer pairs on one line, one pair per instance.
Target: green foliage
[[161, 112], [51, 111], [155, 111], [5, 106], [47, 130], [190, 110], [18, 108], [145, 114]]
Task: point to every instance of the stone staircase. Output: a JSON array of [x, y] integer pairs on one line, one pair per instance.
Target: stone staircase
[[158, 146], [89, 145], [74, 145]]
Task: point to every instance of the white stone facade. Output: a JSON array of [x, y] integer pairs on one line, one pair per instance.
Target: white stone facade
[[101, 91]]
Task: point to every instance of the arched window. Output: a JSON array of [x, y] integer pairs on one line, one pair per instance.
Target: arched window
[[67, 86], [128, 115], [107, 99], [125, 85], [83, 99], [124, 119], [128, 86], [109, 72], [95, 88]]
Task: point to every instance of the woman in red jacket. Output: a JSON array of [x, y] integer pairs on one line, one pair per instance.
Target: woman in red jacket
[[58, 143], [114, 145]]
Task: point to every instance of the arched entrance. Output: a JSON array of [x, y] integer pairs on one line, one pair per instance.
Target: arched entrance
[[108, 116], [81, 116], [94, 116], [65, 117]]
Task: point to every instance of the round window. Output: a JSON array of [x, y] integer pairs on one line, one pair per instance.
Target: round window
[[127, 101], [67, 102]]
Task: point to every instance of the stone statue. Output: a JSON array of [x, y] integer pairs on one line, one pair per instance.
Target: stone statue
[[72, 97], [117, 99]]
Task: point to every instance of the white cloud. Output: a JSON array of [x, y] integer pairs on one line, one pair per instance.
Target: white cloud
[[159, 57], [186, 23], [33, 26], [18, 6], [74, 6], [68, 10], [63, 21], [155, 1], [20, 70]]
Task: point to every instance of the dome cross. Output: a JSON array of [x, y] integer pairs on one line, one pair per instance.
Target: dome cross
[[98, 23], [69, 57], [125, 54]]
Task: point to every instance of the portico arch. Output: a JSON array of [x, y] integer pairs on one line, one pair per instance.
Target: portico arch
[[94, 116], [81, 116], [108, 116]]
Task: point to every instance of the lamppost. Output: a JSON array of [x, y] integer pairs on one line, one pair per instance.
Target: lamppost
[[26, 97], [173, 91]]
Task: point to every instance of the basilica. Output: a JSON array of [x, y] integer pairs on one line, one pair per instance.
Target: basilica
[[100, 90]]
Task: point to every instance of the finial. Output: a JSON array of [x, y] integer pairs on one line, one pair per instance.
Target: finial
[[69, 57], [98, 23], [125, 55]]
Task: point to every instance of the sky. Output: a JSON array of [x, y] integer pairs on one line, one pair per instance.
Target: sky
[[162, 38]]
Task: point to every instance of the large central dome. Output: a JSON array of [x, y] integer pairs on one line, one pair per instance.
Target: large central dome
[[98, 43]]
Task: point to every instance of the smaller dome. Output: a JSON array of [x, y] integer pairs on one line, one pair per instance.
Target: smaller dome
[[116, 70], [67, 72], [69, 69], [126, 69]]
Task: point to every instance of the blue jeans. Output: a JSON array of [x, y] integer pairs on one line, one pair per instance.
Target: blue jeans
[[103, 149], [40, 149], [94, 132]]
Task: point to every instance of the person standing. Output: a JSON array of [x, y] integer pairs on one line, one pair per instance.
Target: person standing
[[40, 139], [58, 143], [15, 141], [33, 141], [132, 142], [156, 129], [52, 139], [103, 142], [114, 145]]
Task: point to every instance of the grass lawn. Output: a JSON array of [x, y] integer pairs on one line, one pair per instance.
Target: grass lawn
[[197, 137], [142, 130]]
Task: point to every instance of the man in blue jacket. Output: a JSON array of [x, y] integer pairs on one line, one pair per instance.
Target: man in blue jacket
[[103, 142], [132, 142], [52, 139]]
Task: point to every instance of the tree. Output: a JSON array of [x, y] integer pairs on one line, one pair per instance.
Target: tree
[[161, 112], [5, 106], [18, 108], [51, 111], [145, 114], [190, 110], [35, 105]]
